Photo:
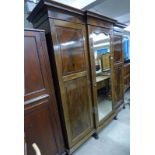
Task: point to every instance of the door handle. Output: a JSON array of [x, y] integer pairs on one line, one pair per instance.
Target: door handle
[[36, 149]]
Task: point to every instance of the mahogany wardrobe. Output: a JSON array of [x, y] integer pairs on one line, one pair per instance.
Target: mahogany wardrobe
[[83, 74]]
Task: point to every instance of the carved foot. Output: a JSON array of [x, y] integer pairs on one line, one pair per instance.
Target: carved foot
[[115, 118], [123, 106], [67, 152], [95, 135]]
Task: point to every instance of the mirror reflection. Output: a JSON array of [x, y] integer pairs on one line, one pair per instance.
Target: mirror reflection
[[102, 54]]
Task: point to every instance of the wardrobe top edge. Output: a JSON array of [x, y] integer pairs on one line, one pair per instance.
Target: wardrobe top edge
[[121, 25], [52, 4], [99, 16], [47, 4]]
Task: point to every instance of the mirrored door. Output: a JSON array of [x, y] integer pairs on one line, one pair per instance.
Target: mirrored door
[[102, 72]]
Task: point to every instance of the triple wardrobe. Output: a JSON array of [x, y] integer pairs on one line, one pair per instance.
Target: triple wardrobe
[[85, 51]]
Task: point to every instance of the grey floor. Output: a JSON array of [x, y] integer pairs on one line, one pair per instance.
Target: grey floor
[[114, 139]]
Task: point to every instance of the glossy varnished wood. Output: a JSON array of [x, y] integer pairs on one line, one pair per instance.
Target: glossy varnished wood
[[67, 44], [33, 76], [72, 52], [78, 96], [65, 29], [118, 65], [118, 48], [41, 120], [74, 78], [118, 84], [39, 129], [50, 9], [98, 20]]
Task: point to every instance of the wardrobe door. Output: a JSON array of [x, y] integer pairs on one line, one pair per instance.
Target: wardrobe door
[[41, 121], [101, 62], [69, 40], [118, 70]]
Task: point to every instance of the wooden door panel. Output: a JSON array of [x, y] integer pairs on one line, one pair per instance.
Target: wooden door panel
[[126, 76], [36, 67], [72, 49], [39, 129], [118, 53], [118, 86], [118, 70], [78, 106], [32, 70]]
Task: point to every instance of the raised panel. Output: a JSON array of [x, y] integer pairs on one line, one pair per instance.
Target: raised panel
[[126, 76], [32, 69], [39, 129], [72, 49], [118, 83], [78, 106], [118, 57]]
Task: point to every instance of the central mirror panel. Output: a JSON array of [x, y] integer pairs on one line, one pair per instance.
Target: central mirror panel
[[102, 58]]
